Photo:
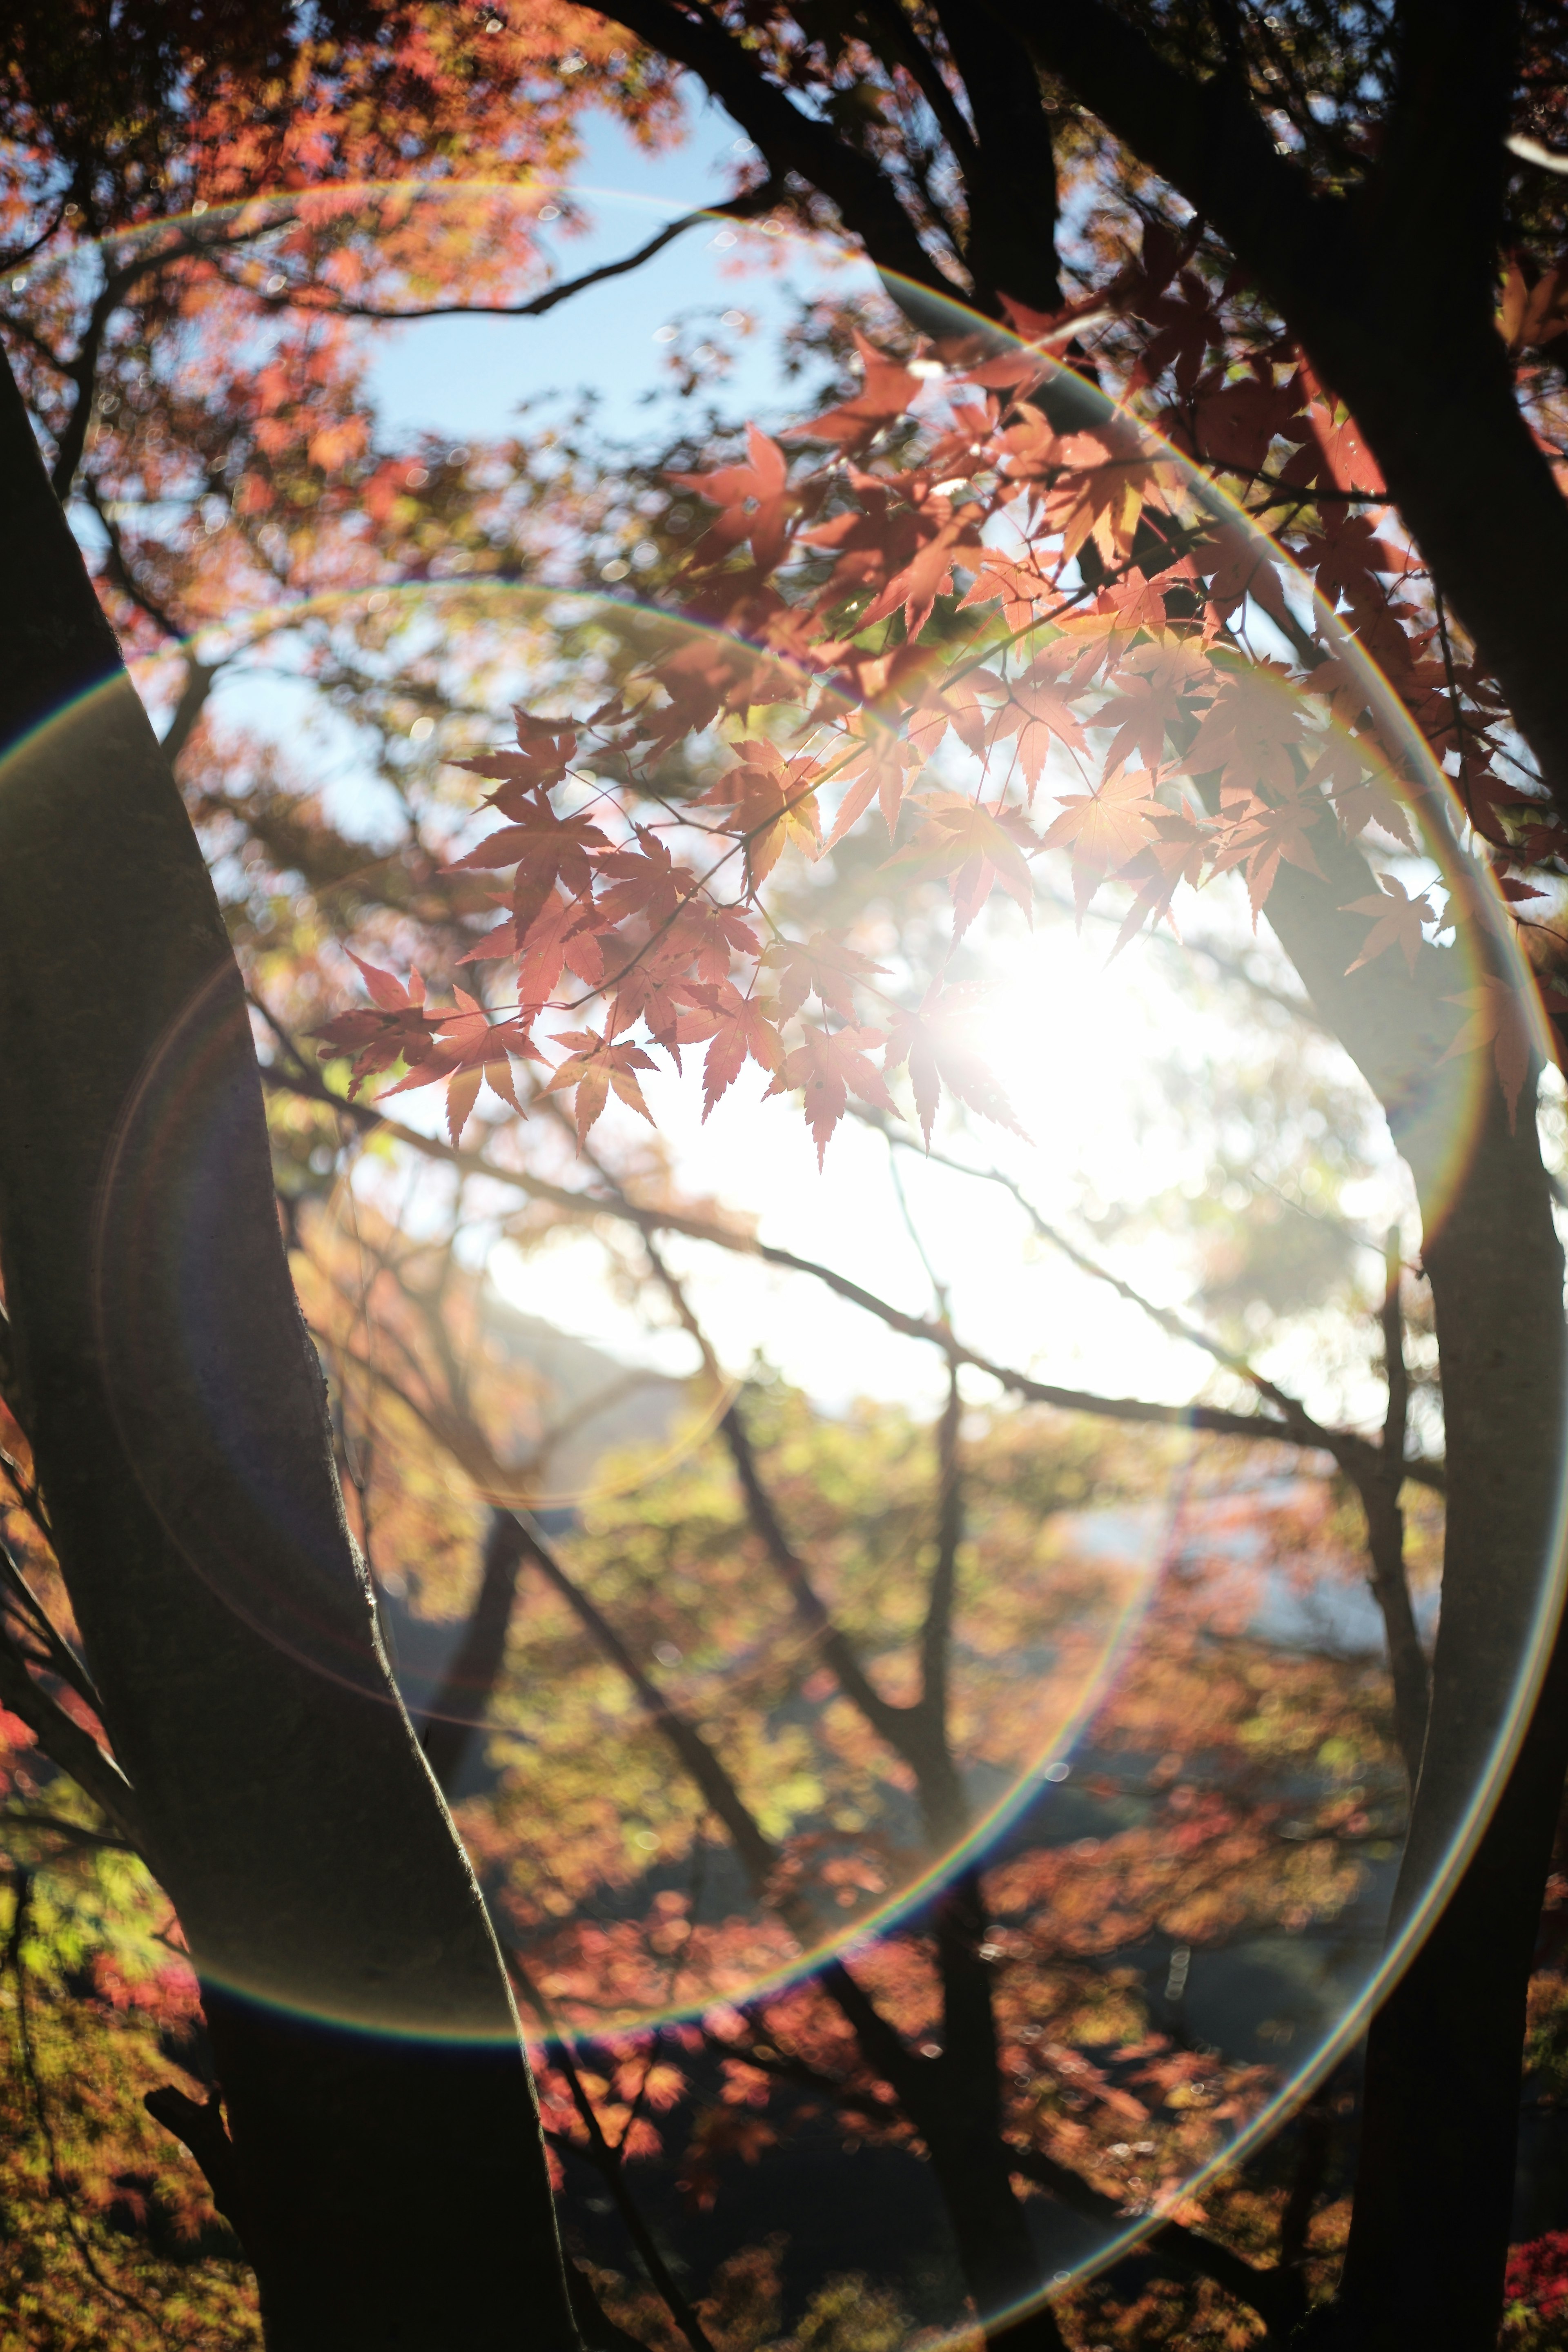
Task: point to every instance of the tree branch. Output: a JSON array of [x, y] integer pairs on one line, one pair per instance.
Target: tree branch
[[891, 1723], [459, 1705], [1343, 1445], [789, 140], [1011, 182], [1385, 1535], [607, 2162], [755, 1849], [65, 1743], [200, 678], [1363, 284], [744, 206]]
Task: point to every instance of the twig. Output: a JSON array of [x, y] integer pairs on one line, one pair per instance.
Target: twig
[[607, 2161], [1343, 1445]]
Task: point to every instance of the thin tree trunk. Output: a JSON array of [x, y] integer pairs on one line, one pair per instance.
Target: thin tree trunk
[[458, 1707], [393, 2182], [964, 2133]]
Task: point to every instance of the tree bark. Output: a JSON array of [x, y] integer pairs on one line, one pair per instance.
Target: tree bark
[[1434, 2188], [1430, 2232], [1390, 292], [387, 2153]]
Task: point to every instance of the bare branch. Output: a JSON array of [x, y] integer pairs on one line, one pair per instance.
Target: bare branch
[[459, 1705], [756, 1850], [200, 678], [790, 140], [936, 1632], [607, 2162], [745, 206], [65, 1743], [1345, 1445], [893, 1724]]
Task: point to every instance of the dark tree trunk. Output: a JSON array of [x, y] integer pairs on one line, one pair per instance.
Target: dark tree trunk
[[1430, 2232], [996, 2249], [458, 1707], [393, 2182], [1434, 2188]]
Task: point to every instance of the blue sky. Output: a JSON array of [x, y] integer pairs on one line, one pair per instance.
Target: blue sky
[[466, 377]]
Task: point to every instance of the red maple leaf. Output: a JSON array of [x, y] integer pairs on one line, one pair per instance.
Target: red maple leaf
[[1261, 833], [1040, 707], [880, 767], [1248, 731], [1496, 1018], [546, 849], [398, 1030], [975, 848], [1104, 830], [822, 963], [887, 390], [1156, 684], [754, 499], [1396, 920], [774, 801]]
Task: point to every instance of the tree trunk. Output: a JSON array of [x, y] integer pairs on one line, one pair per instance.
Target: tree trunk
[[1433, 2190], [1428, 2238], [387, 2150], [459, 1709], [962, 2129]]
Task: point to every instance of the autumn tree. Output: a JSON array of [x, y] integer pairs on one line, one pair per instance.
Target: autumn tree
[[1249, 227], [328, 2148], [1350, 183]]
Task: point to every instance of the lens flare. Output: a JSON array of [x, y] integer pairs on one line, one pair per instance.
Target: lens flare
[[802, 1570]]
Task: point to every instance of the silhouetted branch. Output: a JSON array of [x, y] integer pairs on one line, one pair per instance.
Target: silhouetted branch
[[200, 677], [1379, 1492], [65, 1742], [1346, 1447], [741, 207], [755, 1849], [607, 2162]]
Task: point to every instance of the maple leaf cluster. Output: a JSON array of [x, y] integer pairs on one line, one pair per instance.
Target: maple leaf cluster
[[980, 601]]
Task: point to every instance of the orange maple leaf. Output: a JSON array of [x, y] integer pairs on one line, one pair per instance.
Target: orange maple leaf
[[593, 1066], [1104, 829], [831, 1065]]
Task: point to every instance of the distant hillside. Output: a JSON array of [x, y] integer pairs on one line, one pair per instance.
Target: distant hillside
[[589, 1404]]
